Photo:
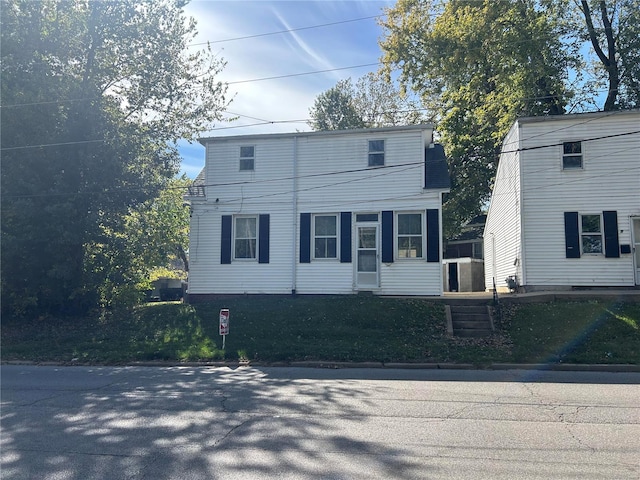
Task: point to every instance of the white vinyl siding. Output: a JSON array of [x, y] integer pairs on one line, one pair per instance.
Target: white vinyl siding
[[503, 230]]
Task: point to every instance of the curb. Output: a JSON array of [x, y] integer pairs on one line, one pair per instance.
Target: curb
[[558, 367]]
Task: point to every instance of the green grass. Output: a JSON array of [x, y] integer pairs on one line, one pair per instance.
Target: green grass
[[328, 328], [576, 332]]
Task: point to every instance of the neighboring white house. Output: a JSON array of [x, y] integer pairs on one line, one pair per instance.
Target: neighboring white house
[[565, 207], [334, 212]]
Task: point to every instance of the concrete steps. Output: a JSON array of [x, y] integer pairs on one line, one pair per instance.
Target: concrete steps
[[469, 320]]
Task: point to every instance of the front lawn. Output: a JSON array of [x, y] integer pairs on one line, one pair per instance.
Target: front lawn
[[351, 328]]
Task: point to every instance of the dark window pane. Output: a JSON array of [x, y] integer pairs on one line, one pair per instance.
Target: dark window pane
[[410, 224], [326, 225], [325, 248], [246, 164], [367, 217], [409, 247], [572, 147], [245, 248], [591, 244], [376, 159], [572, 161], [376, 146], [590, 223], [246, 228], [246, 152]]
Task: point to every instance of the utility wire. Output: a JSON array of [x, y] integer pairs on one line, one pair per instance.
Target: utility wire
[[290, 75], [42, 145], [284, 31], [384, 168]]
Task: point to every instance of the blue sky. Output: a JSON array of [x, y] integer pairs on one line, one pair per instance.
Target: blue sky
[[224, 23]]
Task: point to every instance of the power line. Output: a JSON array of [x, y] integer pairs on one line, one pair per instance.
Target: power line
[[384, 168], [284, 31], [4, 149], [289, 75], [537, 147], [304, 73], [280, 179]]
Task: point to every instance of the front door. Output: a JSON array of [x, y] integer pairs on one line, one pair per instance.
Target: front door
[[636, 247], [367, 256]]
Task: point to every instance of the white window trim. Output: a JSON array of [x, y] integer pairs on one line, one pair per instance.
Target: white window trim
[[234, 237], [313, 237], [253, 158], [592, 234], [383, 152], [562, 155], [423, 234]]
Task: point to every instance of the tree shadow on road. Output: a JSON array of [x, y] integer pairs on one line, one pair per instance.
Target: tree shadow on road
[[186, 422]]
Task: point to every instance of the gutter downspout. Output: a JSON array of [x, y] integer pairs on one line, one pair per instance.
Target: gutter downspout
[[295, 216]]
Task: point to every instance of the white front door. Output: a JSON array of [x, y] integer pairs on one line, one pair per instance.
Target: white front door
[[636, 246], [367, 256]]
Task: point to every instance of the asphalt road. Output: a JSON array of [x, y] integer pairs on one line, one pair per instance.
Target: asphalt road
[[295, 423]]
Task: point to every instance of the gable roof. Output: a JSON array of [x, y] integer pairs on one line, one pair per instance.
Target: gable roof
[[577, 116], [421, 126]]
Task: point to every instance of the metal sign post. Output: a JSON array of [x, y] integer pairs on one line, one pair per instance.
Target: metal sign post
[[224, 325]]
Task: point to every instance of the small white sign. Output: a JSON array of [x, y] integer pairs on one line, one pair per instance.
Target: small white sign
[[224, 321]]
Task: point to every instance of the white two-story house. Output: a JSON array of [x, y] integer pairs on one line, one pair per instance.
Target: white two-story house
[[334, 212], [565, 207]]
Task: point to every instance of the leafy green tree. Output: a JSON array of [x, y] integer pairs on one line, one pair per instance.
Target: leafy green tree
[[94, 97], [372, 102], [158, 230], [335, 109], [477, 65], [380, 103]]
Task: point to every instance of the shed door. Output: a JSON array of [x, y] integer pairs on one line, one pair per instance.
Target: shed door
[[367, 256], [636, 247]]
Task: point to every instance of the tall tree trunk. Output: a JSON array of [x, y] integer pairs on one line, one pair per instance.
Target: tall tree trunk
[[608, 61]]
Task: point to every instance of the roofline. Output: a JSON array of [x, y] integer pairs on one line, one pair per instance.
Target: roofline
[[573, 116], [421, 126]]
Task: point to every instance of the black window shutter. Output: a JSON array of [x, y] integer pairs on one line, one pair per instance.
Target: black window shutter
[[345, 237], [433, 236], [305, 238], [225, 252], [387, 236], [263, 239], [611, 244], [571, 235]]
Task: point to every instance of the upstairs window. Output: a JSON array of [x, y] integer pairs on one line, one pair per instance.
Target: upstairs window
[[410, 235], [245, 237], [247, 158], [571, 155], [325, 236], [376, 153], [591, 234]]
